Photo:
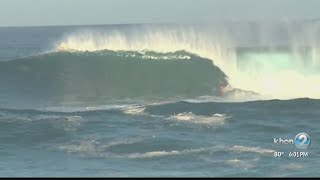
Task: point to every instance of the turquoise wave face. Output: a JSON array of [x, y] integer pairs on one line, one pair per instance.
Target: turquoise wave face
[[109, 75]]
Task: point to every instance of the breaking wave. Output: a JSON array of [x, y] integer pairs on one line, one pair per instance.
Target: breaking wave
[[282, 61], [109, 75]]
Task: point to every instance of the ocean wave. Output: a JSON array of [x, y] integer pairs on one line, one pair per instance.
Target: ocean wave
[[237, 148], [170, 109], [272, 70], [43, 120], [66, 77], [95, 148], [154, 154]]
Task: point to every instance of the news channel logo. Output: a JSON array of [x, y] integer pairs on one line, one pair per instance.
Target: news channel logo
[[301, 141]]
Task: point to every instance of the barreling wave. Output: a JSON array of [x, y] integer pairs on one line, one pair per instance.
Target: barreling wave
[[109, 75], [249, 55]]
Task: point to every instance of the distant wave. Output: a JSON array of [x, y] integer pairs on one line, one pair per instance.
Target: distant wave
[[179, 110], [93, 149]]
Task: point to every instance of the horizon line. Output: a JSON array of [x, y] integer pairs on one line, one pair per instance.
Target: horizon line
[[161, 23]]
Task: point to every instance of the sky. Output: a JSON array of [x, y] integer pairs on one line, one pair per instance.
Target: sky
[[81, 12]]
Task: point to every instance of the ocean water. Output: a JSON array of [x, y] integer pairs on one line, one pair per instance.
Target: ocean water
[[159, 100]]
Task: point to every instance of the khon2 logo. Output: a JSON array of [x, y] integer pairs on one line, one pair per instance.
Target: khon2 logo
[[301, 141]]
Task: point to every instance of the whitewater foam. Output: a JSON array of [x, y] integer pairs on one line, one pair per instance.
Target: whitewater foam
[[134, 110], [244, 164], [86, 147], [153, 154], [216, 119], [237, 148]]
